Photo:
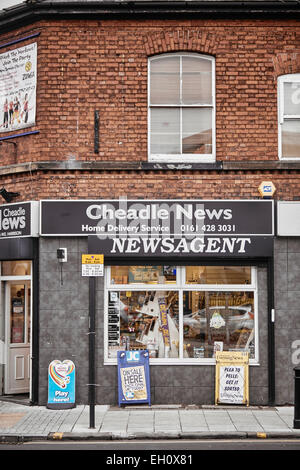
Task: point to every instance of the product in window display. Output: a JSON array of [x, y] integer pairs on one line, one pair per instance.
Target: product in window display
[[216, 321], [229, 326], [160, 334], [236, 321], [218, 346]]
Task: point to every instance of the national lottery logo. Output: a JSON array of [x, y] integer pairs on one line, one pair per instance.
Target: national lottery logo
[[60, 372]]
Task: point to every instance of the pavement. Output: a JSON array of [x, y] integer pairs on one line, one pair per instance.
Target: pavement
[[20, 423]]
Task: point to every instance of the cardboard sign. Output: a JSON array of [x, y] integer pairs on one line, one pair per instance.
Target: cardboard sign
[[61, 385], [133, 377], [232, 377]]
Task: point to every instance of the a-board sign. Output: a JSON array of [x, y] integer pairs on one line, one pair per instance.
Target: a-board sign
[[133, 377], [92, 265], [232, 377], [61, 384]]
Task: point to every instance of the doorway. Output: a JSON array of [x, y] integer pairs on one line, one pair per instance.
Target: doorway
[[17, 334]]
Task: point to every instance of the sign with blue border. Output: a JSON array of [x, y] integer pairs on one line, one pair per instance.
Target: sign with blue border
[[61, 384], [134, 377]]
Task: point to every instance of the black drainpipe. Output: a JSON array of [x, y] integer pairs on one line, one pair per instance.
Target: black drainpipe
[[271, 333]]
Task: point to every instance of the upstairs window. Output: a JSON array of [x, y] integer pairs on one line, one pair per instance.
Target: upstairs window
[[289, 116], [181, 108]]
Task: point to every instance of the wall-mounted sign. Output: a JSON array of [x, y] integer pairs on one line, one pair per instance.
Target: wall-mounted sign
[[92, 265], [288, 218], [133, 377], [266, 189], [18, 72], [19, 220], [61, 384], [164, 227], [232, 377]]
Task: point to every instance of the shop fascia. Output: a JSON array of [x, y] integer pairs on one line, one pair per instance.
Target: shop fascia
[[163, 227], [19, 220]]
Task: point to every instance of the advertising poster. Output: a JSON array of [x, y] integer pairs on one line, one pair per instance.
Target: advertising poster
[[61, 384], [133, 377], [232, 377], [18, 71]]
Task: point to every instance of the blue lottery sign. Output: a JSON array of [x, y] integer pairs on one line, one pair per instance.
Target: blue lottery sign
[[61, 385]]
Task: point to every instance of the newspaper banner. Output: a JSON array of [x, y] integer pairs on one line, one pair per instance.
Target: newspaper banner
[[232, 377], [18, 71], [133, 377], [163, 309]]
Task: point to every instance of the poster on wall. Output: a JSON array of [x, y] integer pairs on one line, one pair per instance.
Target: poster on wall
[[232, 377], [18, 71], [61, 384], [133, 377]]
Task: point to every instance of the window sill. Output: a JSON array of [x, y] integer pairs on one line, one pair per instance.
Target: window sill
[[172, 362], [183, 158]]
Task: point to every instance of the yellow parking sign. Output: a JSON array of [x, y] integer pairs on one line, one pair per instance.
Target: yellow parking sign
[[92, 265]]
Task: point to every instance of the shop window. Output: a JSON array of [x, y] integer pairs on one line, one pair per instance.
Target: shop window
[[218, 275], [289, 116], [143, 275], [16, 268], [181, 314], [181, 108]]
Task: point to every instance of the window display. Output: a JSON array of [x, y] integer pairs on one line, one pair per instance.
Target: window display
[[218, 275], [143, 275], [217, 321], [180, 319]]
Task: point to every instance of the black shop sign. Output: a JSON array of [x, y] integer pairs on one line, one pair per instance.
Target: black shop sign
[[164, 227]]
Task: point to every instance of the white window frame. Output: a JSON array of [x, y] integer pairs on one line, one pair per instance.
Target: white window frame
[[183, 157], [179, 287], [289, 78]]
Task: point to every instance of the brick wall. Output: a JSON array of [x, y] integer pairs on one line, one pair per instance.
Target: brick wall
[[151, 185], [85, 66]]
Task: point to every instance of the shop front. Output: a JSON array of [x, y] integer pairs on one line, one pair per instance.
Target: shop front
[[182, 279], [18, 314]]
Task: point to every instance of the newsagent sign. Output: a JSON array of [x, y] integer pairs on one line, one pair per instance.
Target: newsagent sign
[[164, 227], [19, 220]]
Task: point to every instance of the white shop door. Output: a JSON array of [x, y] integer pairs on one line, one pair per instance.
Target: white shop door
[[18, 305]]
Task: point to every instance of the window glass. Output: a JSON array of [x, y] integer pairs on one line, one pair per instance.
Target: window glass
[[196, 130], [218, 275], [217, 321], [165, 81], [291, 138], [292, 98], [143, 275], [17, 314], [165, 130], [144, 320], [16, 268], [196, 80]]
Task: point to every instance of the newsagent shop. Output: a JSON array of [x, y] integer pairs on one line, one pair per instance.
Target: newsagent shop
[[181, 279]]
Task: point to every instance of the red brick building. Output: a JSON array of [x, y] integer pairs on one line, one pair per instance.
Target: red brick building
[[152, 101]]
